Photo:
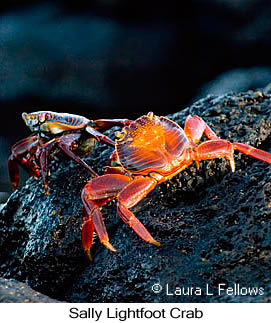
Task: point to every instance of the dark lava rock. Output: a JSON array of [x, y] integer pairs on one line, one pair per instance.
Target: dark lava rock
[[12, 291], [214, 225]]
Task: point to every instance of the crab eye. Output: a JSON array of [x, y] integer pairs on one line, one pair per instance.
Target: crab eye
[[42, 117], [150, 115], [25, 116]]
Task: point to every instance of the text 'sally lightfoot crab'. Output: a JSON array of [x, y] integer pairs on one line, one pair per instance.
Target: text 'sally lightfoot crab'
[[73, 134], [150, 151]]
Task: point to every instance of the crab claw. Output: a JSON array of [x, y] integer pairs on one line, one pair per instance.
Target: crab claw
[[13, 169], [22, 154]]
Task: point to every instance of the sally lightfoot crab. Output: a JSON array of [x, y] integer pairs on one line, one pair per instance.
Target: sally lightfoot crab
[[73, 134], [150, 151]]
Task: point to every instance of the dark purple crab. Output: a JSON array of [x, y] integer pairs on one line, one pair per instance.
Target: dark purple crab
[[73, 134]]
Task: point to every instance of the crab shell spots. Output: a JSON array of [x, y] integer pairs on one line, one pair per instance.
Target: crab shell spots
[[151, 143]]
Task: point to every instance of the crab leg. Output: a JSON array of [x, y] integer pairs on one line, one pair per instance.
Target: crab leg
[[87, 232], [65, 143], [92, 219], [113, 159], [104, 124], [113, 170], [14, 173], [130, 196], [13, 168], [215, 149], [96, 193], [18, 156], [100, 137], [195, 127], [44, 162], [253, 152], [223, 148]]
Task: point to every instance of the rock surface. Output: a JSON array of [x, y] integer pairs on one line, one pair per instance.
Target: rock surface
[[12, 291], [214, 225]]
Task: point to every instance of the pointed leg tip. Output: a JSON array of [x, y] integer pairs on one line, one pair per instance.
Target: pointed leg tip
[[232, 166], [109, 246], [92, 172], [154, 242], [89, 254], [14, 186], [46, 189]]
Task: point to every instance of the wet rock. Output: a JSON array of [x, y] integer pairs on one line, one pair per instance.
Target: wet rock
[[214, 225], [12, 291]]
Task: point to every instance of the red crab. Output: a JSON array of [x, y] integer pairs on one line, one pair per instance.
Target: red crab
[[149, 151], [73, 134]]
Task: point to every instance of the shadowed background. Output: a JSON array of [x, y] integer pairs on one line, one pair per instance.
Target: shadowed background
[[113, 58]]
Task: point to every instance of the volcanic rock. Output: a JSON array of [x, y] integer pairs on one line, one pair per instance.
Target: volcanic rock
[[213, 225]]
